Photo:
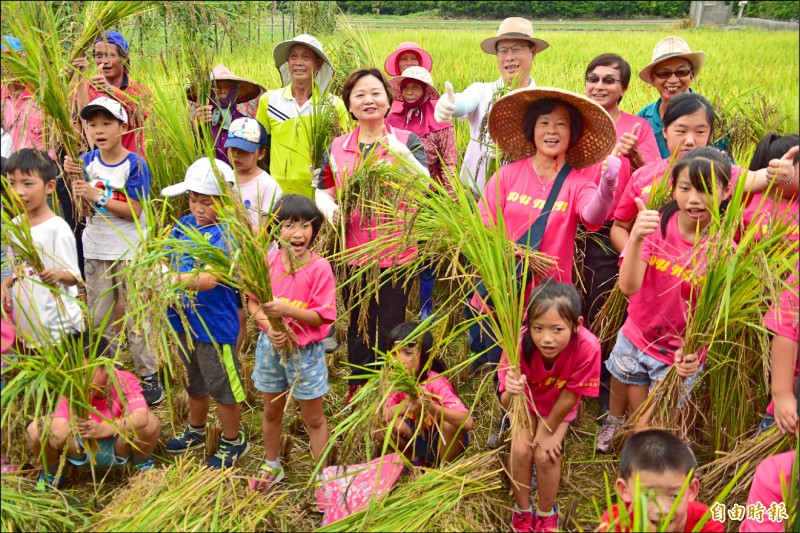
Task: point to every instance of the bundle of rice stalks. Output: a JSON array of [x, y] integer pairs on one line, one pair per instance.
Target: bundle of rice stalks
[[738, 466], [24, 509], [322, 127], [187, 497], [458, 497]]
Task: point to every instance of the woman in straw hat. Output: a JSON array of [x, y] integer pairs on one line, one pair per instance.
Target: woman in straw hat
[[286, 113], [671, 71], [229, 98], [412, 110], [515, 48], [559, 140]]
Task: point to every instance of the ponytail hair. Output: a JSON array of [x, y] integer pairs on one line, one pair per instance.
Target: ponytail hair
[[547, 295], [702, 163], [773, 146]]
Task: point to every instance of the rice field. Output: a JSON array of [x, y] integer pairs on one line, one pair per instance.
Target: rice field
[[755, 88]]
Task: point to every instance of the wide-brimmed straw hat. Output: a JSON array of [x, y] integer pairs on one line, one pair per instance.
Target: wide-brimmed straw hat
[[514, 28], [421, 76], [390, 65], [246, 89], [508, 114], [280, 53], [670, 47]]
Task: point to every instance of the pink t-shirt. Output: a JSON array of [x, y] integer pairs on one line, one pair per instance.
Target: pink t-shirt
[[783, 320], [310, 287], [765, 211], [22, 119], [515, 189], [647, 177], [112, 406], [576, 369], [648, 147], [657, 313], [439, 388], [766, 489]]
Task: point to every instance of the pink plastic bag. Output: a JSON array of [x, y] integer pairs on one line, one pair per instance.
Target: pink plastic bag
[[347, 490]]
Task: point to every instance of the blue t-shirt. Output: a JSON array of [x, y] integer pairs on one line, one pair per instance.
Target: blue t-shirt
[[218, 307]]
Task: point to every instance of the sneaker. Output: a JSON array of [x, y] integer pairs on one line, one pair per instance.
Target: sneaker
[[188, 440], [330, 344], [47, 482], [144, 467], [267, 477], [547, 523], [606, 433], [495, 439], [534, 479], [152, 390], [766, 422], [523, 521], [229, 452]]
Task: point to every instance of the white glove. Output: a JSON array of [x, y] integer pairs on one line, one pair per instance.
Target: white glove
[[393, 144], [316, 176], [446, 105]]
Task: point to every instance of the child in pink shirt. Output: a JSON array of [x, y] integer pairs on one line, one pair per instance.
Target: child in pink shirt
[[656, 270], [434, 427], [306, 300], [766, 490], [559, 363]]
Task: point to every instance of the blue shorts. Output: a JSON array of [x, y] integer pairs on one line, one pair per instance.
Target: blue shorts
[[632, 366], [104, 457], [426, 444], [305, 371]]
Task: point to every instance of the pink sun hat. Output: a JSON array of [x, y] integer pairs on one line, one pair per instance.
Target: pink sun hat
[[390, 65]]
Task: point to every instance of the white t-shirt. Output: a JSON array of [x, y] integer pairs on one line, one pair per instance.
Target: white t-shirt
[[259, 195], [471, 172], [108, 236], [34, 306]]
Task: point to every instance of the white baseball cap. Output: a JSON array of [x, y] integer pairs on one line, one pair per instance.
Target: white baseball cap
[[201, 179], [108, 104]]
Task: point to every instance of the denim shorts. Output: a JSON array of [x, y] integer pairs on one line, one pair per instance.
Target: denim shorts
[[104, 457], [632, 366], [304, 372], [426, 444]]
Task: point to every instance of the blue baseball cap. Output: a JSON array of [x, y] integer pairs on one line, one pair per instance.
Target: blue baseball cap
[[247, 134], [115, 38], [11, 44]]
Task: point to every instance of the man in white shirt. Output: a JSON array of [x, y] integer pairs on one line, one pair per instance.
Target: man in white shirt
[[515, 48]]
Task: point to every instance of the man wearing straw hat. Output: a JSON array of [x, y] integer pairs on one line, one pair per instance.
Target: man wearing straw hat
[[306, 73], [671, 71], [515, 48]]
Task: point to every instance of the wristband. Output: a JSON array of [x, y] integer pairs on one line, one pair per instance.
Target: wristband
[[101, 202], [790, 180]]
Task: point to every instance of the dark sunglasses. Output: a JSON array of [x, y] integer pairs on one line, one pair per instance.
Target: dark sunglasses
[[666, 74], [607, 80]]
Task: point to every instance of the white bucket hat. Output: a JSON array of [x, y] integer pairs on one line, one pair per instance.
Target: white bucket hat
[[670, 47], [201, 179], [419, 75], [281, 52]]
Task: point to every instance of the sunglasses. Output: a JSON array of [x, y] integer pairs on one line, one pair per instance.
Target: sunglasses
[[666, 74], [607, 80]]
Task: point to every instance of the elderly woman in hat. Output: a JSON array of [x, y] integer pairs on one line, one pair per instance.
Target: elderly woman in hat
[[515, 48], [286, 113], [561, 142], [671, 71], [407, 54], [229, 101], [111, 56], [368, 96]]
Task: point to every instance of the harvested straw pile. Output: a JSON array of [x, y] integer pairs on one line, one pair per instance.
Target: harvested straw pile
[[187, 497], [23, 509]]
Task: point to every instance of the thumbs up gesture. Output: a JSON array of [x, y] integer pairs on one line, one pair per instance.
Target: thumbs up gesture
[[782, 171], [647, 221], [628, 143], [446, 105], [392, 143]]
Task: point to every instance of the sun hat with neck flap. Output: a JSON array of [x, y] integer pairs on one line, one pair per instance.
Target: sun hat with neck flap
[[508, 115], [280, 54], [514, 28], [390, 65], [670, 47], [419, 75], [246, 90]]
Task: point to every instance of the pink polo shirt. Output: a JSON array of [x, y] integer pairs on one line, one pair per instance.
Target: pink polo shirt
[[113, 406], [783, 320], [311, 287], [576, 369], [439, 388], [657, 313]]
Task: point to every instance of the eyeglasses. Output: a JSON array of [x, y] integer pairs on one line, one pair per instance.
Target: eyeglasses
[[667, 74], [607, 80], [516, 50]]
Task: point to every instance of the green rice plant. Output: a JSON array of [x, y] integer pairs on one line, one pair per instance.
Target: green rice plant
[[349, 51], [322, 127], [24, 509], [187, 497]]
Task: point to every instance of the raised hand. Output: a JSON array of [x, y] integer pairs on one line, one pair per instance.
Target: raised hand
[[446, 105], [647, 221]]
